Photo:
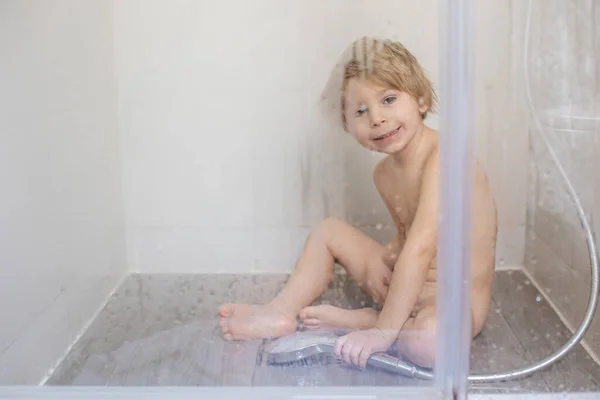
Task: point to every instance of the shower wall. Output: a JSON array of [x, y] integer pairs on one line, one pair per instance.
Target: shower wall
[[227, 163], [62, 247], [565, 50]]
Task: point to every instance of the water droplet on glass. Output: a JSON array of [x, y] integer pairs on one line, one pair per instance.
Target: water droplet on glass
[[538, 298], [527, 282], [547, 336], [379, 226], [519, 287]]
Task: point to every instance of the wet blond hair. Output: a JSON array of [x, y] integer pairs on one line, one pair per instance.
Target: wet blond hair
[[385, 62]]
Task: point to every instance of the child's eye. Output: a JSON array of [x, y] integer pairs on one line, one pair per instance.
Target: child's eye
[[360, 112], [389, 100]]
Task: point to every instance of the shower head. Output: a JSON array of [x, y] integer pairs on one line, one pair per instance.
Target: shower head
[[301, 345], [298, 346]]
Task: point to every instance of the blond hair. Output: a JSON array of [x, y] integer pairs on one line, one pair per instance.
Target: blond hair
[[385, 62]]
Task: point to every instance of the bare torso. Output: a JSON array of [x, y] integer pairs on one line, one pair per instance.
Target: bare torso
[[399, 187]]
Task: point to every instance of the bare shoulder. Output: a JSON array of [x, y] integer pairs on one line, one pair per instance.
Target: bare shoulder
[[431, 171], [380, 172]]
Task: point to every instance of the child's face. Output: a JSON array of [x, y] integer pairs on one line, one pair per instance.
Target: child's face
[[380, 118]]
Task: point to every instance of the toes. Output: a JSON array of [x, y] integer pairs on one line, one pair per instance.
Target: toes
[[226, 310], [224, 325], [307, 313], [309, 317], [311, 322]]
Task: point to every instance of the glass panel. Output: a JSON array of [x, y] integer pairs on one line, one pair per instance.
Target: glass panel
[[537, 105], [162, 161], [183, 159]]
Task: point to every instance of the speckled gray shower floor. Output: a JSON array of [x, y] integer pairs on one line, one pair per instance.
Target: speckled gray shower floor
[[163, 330]]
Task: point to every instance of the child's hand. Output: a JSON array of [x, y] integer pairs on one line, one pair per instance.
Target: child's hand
[[356, 347], [378, 281]]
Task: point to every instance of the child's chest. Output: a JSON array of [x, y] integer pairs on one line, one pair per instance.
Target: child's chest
[[400, 190]]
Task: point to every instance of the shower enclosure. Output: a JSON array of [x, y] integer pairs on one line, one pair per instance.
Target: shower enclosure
[[161, 158]]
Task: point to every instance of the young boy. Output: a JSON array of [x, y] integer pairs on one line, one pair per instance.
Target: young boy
[[384, 99]]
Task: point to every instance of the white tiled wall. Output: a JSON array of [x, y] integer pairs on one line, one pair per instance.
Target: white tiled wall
[[62, 245], [566, 87], [227, 163]]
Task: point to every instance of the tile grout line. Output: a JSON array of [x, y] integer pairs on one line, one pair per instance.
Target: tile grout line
[[561, 316], [527, 356], [83, 330], [510, 267]]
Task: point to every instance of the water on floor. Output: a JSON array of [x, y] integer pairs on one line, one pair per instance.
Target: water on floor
[[163, 330]]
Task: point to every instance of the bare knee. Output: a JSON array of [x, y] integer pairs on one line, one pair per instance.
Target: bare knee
[[324, 229]]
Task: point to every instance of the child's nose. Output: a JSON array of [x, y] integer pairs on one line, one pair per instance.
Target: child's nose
[[377, 120]]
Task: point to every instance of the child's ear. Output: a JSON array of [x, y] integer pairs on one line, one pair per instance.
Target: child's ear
[[423, 108]]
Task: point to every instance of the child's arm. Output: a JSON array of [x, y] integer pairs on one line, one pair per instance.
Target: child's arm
[[395, 245], [416, 256]]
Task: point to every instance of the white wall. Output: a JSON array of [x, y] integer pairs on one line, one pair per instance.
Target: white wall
[[61, 230], [226, 162]]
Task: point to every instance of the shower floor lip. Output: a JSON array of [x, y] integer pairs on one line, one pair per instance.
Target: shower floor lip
[[271, 393], [560, 314]]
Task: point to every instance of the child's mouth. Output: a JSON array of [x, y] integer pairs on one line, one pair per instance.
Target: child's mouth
[[388, 135]]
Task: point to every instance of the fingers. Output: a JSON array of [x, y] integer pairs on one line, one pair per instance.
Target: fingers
[[339, 344], [346, 349], [343, 349], [381, 292], [364, 357], [387, 278], [355, 353]]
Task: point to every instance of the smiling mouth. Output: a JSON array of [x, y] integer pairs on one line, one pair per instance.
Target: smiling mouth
[[387, 135]]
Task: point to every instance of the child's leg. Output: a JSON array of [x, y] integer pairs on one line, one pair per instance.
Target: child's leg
[[417, 340], [332, 240], [328, 316]]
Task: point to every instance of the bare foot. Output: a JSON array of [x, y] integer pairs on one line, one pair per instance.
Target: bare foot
[[245, 322], [334, 317]]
